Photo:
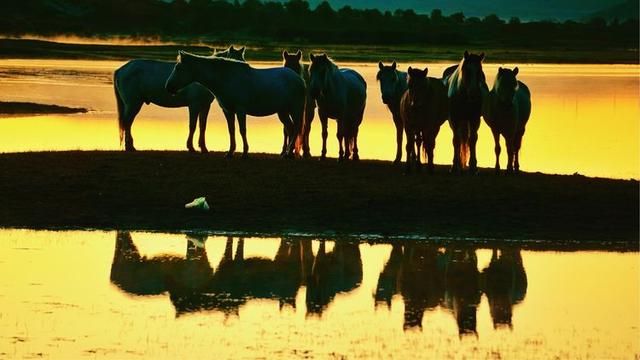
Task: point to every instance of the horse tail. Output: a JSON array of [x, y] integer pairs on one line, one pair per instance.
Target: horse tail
[[301, 127], [120, 105], [464, 144]]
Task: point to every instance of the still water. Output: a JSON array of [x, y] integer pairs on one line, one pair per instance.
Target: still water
[[88, 294], [584, 117]]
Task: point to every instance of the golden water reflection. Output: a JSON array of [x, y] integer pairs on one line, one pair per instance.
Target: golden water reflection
[[127, 295], [584, 117]]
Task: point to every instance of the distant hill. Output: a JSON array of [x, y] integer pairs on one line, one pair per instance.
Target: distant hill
[[524, 9], [626, 10]]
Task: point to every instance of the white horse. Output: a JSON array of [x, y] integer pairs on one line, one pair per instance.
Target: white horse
[[506, 109], [341, 94], [142, 81], [393, 84], [244, 90]]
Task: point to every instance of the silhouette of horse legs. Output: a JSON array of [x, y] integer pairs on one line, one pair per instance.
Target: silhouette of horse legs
[[497, 149], [399, 129], [130, 112], [232, 133], [204, 114], [289, 129], [342, 155], [324, 119], [242, 125]]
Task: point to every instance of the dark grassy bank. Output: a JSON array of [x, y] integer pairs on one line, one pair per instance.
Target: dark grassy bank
[[272, 51], [148, 190], [29, 108]]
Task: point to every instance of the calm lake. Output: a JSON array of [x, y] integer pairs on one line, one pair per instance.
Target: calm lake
[[89, 294], [584, 117]]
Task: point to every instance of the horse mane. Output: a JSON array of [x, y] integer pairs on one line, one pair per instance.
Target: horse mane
[[186, 56], [455, 79]]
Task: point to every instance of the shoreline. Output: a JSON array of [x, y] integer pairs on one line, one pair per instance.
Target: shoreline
[[11, 48], [147, 190]]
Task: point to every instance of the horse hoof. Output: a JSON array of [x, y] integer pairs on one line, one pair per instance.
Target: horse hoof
[[204, 150], [130, 149], [306, 155], [245, 156], [355, 157], [396, 162], [191, 149], [228, 155]]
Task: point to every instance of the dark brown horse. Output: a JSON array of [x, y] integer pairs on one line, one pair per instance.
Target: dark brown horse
[[294, 63], [423, 108], [466, 85], [393, 84]]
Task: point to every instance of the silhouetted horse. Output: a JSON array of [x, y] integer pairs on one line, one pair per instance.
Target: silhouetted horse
[[462, 290], [337, 271], [466, 85], [142, 81], [388, 285], [505, 284], [393, 84], [423, 109], [341, 94], [294, 63], [506, 109], [243, 90]]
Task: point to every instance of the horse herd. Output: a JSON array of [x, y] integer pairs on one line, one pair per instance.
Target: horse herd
[[419, 103]]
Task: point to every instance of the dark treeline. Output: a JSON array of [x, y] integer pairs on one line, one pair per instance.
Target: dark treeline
[[295, 21]]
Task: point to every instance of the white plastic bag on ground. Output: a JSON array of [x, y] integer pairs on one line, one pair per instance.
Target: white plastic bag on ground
[[199, 203]]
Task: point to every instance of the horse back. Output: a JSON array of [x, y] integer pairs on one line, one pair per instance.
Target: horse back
[[356, 84], [523, 100]]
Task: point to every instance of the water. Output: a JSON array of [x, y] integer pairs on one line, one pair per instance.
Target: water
[[584, 118], [88, 294]]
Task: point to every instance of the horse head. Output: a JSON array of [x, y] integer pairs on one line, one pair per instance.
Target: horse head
[[389, 79], [506, 85], [319, 72], [181, 75], [231, 53], [293, 61], [417, 87], [471, 76]]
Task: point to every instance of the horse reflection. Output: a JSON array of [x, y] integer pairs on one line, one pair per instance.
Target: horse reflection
[[505, 284], [192, 284], [427, 277], [337, 271]]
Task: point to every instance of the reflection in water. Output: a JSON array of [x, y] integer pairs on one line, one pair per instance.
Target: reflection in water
[[71, 295], [425, 275]]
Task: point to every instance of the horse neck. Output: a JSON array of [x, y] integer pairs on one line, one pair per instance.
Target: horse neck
[[336, 79], [401, 85], [215, 72]]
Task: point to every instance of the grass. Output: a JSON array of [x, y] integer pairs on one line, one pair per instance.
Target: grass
[[29, 108], [260, 50], [266, 194]]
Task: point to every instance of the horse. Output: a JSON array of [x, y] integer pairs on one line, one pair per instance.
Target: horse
[[466, 85], [293, 62], [506, 109], [341, 94], [423, 109], [393, 84], [243, 90], [142, 81]]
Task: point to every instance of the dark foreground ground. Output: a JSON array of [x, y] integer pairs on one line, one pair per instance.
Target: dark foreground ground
[[266, 194]]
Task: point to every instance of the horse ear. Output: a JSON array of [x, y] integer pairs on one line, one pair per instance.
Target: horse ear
[[380, 65], [515, 71], [299, 55], [481, 56], [425, 71], [394, 65], [242, 49], [285, 53], [466, 54], [312, 57], [500, 69], [409, 70]]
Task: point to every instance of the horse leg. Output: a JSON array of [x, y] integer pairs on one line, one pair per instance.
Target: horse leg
[[285, 141], [231, 126], [204, 114], [399, 129], [474, 125], [340, 136], [193, 119], [497, 149], [308, 118], [510, 152], [410, 148], [356, 155], [130, 114], [242, 124], [517, 145], [324, 119], [285, 119], [456, 166], [430, 145]]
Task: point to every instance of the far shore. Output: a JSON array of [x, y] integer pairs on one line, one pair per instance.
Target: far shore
[[265, 195], [271, 51], [14, 108]]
